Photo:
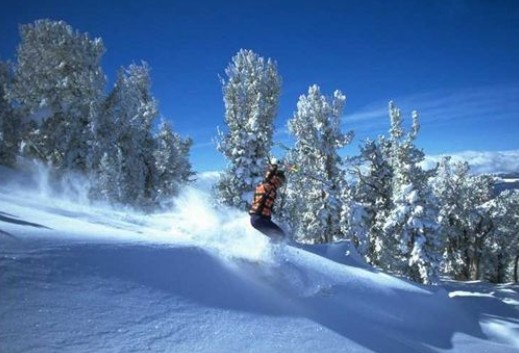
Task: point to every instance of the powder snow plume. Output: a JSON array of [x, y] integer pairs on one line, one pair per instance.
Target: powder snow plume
[[227, 231], [195, 219]]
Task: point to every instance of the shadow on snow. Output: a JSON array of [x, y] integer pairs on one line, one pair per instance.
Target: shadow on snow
[[383, 320]]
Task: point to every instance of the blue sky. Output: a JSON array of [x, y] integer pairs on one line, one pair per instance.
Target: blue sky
[[455, 62]]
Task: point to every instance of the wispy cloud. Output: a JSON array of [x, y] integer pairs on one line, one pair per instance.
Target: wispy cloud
[[481, 106], [483, 162], [199, 145], [490, 103]]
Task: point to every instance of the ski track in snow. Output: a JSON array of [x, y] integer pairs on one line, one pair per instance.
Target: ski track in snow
[[80, 279]]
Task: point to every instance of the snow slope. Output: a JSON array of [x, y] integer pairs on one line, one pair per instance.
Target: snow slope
[[76, 278]]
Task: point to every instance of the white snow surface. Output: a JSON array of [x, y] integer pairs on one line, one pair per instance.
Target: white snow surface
[[79, 278]]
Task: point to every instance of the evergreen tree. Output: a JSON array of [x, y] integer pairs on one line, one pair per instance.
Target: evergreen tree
[[9, 122], [172, 161], [411, 230], [464, 216], [130, 145], [58, 83], [106, 185], [510, 225], [354, 218], [251, 96], [316, 196], [451, 189], [106, 128], [501, 248], [483, 227], [480, 224], [371, 200]]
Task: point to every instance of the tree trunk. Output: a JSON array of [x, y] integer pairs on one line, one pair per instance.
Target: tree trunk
[[500, 270], [483, 230], [476, 261], [516, 267], [473, 268]]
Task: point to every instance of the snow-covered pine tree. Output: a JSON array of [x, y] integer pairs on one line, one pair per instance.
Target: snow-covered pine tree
[[483, 224], [251, 96], [316, 189], [365, 215], [172, 162], [58, 83], [354, 216], [106, 159], [106, 185], [411, 229], [501, 249], [509, 225], [464, 217], [133, 110], [9, 122], [450, 187]]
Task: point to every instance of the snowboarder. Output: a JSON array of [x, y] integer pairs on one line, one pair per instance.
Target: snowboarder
[[263, 202]]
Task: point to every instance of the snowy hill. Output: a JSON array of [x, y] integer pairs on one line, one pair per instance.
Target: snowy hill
[[76, 278]]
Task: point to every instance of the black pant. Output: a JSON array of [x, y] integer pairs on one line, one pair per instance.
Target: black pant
[[267, 227]]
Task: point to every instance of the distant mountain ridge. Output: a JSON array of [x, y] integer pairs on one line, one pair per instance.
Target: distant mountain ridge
[[506, 181]]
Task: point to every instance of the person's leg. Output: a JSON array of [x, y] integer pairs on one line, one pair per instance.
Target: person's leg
[[259, 223], [275, 232], [267, 227]]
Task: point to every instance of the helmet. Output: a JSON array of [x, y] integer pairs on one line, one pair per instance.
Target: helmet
[[273, 171]]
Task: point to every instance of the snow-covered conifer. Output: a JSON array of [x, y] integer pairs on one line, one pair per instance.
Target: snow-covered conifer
[[372, 199], [501, 249], [251, 96], [411, 229], [481, 224], [354, 219], [172, 161], [58, 83], [450, 187], [106, 185], [9, 122], [133, 110], [106, 129], [464, 216], [317, 187], [453, 189]]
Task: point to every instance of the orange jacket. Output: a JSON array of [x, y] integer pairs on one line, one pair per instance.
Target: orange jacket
[[264, 198]]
